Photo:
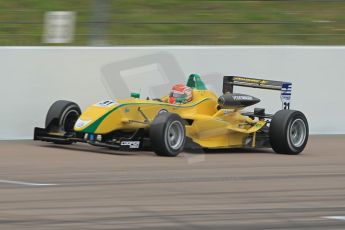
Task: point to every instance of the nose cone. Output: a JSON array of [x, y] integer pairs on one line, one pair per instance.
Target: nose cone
[[93, 115], [237, 100]]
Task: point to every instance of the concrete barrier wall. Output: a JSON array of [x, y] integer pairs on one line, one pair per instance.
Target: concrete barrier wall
[[32, 78]]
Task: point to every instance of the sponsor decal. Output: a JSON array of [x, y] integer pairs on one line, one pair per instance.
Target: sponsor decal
[[228, 111], [242, 98], [251, 80], [107, 103], [131, 144], [285, 94], [80, 123]]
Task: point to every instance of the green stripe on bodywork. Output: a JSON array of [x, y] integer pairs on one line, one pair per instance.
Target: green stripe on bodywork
[[94, 125]]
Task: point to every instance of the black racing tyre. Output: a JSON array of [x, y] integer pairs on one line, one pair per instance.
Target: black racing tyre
[[167, 134], [289, 132], [62, 116]]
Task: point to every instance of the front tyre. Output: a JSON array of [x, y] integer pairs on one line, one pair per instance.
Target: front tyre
[[62, 117], [289, 132], [167, 134]]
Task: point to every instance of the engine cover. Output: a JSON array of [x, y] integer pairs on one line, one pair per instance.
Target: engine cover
[[236, 100]]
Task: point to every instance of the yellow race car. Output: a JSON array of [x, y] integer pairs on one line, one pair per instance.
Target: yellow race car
[[190, 116]]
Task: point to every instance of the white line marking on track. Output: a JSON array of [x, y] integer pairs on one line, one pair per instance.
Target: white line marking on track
[[334, 217], [25, 183]]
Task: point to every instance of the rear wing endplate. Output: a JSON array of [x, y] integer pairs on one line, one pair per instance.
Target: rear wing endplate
[[284, 87]]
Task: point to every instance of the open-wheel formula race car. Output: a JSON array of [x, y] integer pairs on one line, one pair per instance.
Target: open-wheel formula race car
[[191, 115]]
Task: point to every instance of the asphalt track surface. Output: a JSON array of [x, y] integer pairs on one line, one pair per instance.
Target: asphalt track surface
[[46, 186]]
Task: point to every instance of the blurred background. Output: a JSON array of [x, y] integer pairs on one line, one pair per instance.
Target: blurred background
[[171, 22]]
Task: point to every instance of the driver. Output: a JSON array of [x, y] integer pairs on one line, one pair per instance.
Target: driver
[[180, 93]]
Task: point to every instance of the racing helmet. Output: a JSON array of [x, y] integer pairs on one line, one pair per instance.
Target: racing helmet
[[180, 93]]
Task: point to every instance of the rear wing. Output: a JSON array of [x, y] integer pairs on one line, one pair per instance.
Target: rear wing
[[284, 87]]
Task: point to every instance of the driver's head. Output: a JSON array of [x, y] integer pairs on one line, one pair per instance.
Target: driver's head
[[180, 93]]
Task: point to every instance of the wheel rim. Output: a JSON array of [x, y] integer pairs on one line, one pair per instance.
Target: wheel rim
[[175, 135], [69, 120], [298, 132]]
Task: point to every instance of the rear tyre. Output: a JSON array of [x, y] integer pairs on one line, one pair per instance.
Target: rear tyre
[[167, 134], [289, 132], [62, 116]]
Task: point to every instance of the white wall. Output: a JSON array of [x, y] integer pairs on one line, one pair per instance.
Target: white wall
[[32, 78]]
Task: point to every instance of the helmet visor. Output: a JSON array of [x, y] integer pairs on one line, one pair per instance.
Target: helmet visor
[[178, 95]]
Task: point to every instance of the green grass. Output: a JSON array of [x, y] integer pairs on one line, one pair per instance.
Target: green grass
[[184, 22]]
